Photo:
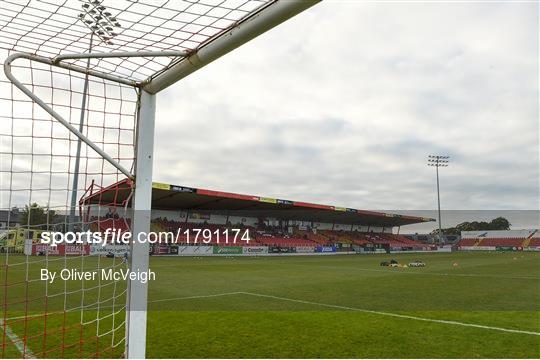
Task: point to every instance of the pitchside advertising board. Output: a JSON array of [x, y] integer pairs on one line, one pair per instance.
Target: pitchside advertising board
[[509, 248], [195, 250], [254, 250], [280, 249], [45, 249], [160, 249], [477, 248], [220, 250], [305, 249], [68, 250], [239, 250], [492, 248], [325, 249], [116, 250], [227, 250], [60, 249]]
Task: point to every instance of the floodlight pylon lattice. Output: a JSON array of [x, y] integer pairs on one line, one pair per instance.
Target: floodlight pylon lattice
[[438, 161], [101, 25], [141, 47]]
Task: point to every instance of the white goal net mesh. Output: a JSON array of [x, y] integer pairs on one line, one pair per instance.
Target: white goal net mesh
[[59, 318]]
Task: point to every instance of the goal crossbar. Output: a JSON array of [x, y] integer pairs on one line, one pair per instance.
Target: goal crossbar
[[245, 30]]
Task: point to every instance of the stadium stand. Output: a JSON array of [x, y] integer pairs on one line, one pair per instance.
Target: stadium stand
[[271, 222], [374, 239], [317, 238], [501, 242], [507, 238], [262, 234], [467, 242]]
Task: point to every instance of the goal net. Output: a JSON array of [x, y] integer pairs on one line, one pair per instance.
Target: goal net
[[69, 128], [40, 161]]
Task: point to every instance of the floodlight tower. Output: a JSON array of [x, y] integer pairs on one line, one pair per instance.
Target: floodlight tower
[[439, 161], [102, 24]]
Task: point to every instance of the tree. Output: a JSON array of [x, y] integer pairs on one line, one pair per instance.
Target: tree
[[37, 216], [499, 223]]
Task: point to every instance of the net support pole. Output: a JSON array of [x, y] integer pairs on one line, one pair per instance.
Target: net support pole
[[142, 204]]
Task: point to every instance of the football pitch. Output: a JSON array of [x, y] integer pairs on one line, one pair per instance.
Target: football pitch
[[461, 305]]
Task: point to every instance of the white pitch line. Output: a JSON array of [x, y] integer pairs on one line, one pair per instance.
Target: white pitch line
[[404, 271], [410, 317], [448, 322], [516, 277], [197, 297], [18, 343], [149, 301]]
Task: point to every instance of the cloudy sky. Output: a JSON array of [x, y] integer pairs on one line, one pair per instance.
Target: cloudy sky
[[342, 104]]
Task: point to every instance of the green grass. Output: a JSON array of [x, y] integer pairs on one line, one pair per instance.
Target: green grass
[[315, 306]]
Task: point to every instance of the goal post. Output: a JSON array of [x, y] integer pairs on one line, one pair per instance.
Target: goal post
[[142, 205], [132, 67]]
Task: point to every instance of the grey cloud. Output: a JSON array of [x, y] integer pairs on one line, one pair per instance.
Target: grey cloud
[[342, 105]]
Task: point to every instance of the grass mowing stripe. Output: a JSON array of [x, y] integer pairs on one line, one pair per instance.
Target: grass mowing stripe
[[449, 322]]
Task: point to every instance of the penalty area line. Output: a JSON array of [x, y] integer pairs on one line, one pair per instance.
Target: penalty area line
[[16, 340], [197, 297], [382, 313], [401, 316]]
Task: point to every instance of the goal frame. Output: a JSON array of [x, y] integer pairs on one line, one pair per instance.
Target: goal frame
[[269, 16]]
